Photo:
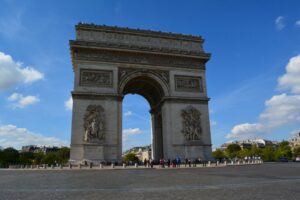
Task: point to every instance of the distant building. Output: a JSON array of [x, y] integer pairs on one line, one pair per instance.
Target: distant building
[[295, 141], [247, 144], [30, 148], [143, 152], [36, 149]]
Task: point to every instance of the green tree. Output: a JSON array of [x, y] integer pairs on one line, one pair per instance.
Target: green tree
[[296, 151], [9, 156], [50, 158], [284, 150], [26, 158], [63, 155], [255, 151], [218, 154], [243, 153], [232, 150], [130, 157], [38, 157], [268, 154]]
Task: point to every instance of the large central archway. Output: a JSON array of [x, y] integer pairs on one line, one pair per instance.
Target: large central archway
[[166, 69], [152, 89]]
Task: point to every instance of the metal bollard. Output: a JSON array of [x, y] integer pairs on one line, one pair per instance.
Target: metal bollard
[[136, 165], [124, 165]]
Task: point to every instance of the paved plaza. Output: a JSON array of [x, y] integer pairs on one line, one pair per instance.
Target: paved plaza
[[266, 181]]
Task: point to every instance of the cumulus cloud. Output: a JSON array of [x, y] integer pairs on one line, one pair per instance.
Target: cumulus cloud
[[20, 101], [132, 131], [12, 136], [279, 22], [244, 131], [69, 104], [291, 79], [297, 23], [280, 110], [13, 73], [128, 113]]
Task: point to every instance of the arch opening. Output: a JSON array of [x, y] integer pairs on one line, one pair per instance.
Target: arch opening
[[147, 87], [153, 92]]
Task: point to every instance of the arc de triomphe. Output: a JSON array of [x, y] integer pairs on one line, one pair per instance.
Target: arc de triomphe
[[167, 69]]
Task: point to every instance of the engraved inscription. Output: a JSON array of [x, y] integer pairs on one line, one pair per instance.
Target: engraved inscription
[[102, 78], [188, 83]]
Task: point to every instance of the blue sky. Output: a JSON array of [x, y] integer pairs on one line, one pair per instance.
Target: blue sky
[[252, 77]]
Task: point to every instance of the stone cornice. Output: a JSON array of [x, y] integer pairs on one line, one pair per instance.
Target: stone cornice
[[94, 95], [144, 49], [109, 56], [87, 26]]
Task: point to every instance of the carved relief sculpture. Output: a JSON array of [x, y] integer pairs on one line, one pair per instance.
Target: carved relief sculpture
[[94, 121], [191, 123], [102, 78], [188, 83]]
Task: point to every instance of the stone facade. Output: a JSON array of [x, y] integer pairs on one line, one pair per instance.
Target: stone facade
[[169, 70]]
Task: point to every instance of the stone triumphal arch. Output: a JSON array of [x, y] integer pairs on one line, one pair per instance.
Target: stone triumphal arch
[[167, 69]]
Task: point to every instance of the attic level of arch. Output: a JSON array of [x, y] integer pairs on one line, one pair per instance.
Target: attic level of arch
[[121, 45]]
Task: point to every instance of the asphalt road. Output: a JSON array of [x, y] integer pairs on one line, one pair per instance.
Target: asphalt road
[[267, 181]]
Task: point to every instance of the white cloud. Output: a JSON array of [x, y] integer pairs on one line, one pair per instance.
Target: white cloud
[[280, 110], [13, 73], [12, 136], [213, 123], [132, 131], [291, 79], [128, 113], [69, 104], [20, 101], [244, 131], [297, 23], [279, 22]]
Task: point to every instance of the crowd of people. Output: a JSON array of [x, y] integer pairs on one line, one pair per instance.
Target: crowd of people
[[174, 163]]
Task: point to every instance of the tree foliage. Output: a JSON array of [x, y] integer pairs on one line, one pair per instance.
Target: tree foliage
[[218, 154], [11, 156], [130, 157], [232, 150]]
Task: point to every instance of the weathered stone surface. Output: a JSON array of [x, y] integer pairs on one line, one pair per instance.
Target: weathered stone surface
[[167, 69]]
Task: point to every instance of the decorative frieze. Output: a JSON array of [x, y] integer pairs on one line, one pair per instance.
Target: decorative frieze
[[162, 74], [94, 124], [93, 78], [188, 83], [141, 40], [191, 123], [138, 58]]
